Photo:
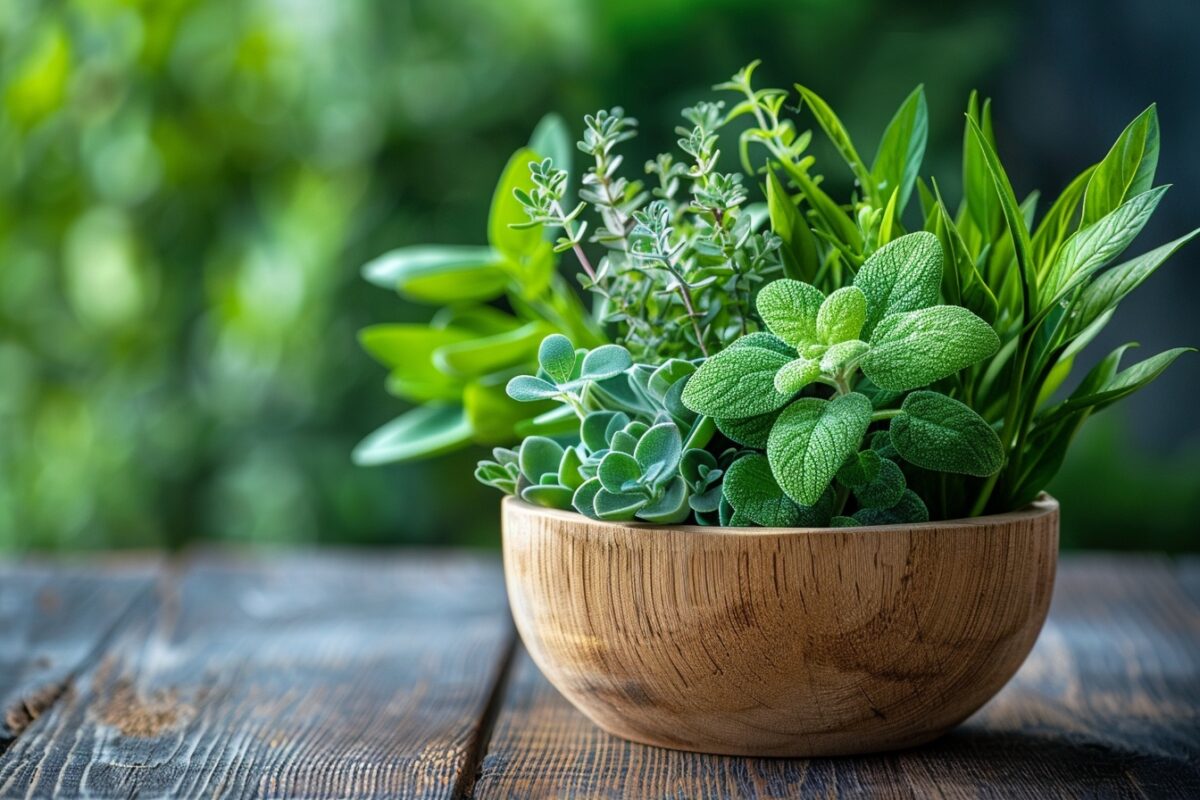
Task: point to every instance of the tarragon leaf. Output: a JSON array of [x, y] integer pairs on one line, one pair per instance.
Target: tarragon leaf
[[736, 382], [916, 348], [903, 275], [898, 159], [1126, 171], [939, 433], [812, 439]]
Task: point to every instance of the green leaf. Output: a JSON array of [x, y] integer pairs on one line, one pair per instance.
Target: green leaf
[[838, 357], [426, 431], [548, 496], [789, 309], [919, 347], [910, 509], [1106, 291], [898, 159], [492, 414], [837, 134], [619, 472], [527, 389], [1127, 170], [1125, 382], [753, 492], [842, 315], [1011, 211], [539, 456], [982, 204], [1059, 221], [768, 341], [748, 431], [593, 431], [836, 222], [552, 139], [884, 490], [618, 507], [799, 251], [669, 509], [860, 469], [843, 522], [568, 469], [408, 350], [1099, 243], [941, 434], [556, 356], [606, 361], [584, 499], [483, 355], [440, 273], [961, 282], [736, 382], [659, 449], [528, 257], [812, 439], [796, 374], [903, 275]]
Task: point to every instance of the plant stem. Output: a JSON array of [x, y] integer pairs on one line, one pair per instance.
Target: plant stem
[[888, 413]]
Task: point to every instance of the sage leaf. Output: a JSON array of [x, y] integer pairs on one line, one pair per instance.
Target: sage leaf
[[910, 509], [940, 433], [903, 275], [916, 348], [844, 522], [789, 309], [885, 489], [796, 374], [1126, 171], [767, 341], [799, 250], [753, 492], [860, 469], [812, 439], [748, 431], [736, 382], [841, 355], [842, 315]]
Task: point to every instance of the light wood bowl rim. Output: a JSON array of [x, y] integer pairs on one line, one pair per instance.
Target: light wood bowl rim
[[1043, 506]]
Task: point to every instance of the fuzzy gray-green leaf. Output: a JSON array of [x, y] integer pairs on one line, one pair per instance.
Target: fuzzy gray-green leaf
[[939, 433], [812, 439], [789, 308], [842, 315], [752, 490], [736, 382], [916, 348], [903, 275]]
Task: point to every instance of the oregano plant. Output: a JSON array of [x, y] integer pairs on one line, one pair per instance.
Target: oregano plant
[[757, 352]]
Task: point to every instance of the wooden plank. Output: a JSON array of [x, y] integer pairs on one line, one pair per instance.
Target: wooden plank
[[323, 676], [53, 616], [1108, 705]]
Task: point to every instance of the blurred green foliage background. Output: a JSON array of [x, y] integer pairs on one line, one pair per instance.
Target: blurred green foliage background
[[188, 187]]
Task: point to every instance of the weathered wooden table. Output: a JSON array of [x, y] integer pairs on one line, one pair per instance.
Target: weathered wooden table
[[399, 675]]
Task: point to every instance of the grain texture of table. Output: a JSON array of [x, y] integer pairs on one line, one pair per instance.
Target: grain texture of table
[[398, 675]]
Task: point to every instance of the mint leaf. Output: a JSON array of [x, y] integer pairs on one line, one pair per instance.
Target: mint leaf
[[736, 382], [903, 275], [789, 309], [842, 315], [939, 433], [556, 356], [812, 439], [916, 348], [752, 491]]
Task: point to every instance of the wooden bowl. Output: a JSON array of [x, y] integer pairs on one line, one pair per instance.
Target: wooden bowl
[[775, 641]]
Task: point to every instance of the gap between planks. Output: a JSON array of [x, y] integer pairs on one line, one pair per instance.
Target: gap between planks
[[473, 768]]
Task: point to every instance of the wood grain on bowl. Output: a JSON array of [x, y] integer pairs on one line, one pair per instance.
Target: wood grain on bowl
[[779, 642]]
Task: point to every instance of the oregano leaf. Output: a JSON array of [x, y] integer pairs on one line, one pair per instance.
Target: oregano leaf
[[903, 275], [548, 496], [812, 439], [916, 348], [619, 472], [940, 433], [736, 382], [789, 309]]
